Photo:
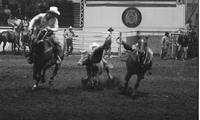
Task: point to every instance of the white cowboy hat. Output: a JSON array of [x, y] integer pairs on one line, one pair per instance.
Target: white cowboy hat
[[94, 45], [54, 9], [70, 27]]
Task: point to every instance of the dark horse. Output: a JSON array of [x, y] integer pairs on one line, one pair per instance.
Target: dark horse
[[44, 58], [11, 37], [136, 65]]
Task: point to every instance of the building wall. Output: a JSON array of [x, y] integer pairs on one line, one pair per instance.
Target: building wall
[[153, 18], [155, 21]]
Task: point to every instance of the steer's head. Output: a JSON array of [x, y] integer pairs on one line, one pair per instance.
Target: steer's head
[[84, 60]]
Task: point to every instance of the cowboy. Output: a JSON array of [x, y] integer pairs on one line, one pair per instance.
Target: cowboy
[[69, 39], [11, 22], [164, 45], [25, 22], [147, 50], [46, 23], [93, 47], [109, 41]]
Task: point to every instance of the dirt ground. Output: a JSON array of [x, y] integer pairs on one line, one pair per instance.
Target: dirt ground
[[170, 93]]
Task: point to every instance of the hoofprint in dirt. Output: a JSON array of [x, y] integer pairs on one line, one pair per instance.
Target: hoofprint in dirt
[[170, 93]]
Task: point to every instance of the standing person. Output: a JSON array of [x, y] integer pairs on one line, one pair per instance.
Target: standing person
[[95, 46], [25, 22], [11, 22], [68, 35], [183, 47], [138, 38], [109, 41], [188, 27], [7, 13], [46, 22], [164, 45]]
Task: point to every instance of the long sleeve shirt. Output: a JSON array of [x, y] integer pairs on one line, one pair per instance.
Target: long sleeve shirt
[[40, 22], [165, 41], [69, 35]]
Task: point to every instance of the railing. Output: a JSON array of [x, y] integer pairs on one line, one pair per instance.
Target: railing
[[86, 38]]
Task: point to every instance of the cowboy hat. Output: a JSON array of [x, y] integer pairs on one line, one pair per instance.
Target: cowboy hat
[[94, 45], [70, 27], [54, 9], [110, 29]]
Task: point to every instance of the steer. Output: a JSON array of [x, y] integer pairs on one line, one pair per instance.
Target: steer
[[93, 70]]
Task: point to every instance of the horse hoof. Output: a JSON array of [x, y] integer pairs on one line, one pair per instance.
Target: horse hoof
[[133, 94], [50, 84], [150, 73], [121, 88], [34, 87], [84, 81]]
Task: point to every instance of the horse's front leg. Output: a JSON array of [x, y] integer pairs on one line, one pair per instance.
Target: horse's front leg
[[43, 75], [57, 66], [110, 77], [36, 77], [139, 78], [127, 78], [4, 44], [97, 83]]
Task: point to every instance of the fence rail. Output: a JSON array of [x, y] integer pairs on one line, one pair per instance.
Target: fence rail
[[86, 38]]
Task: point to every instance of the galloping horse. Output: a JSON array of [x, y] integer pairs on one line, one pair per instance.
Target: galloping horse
[[138, 63], [44, 58]]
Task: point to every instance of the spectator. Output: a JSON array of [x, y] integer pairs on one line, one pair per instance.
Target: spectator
[[7, 13], [68, 35], [109, 39], [188, 27], [25, 22], [11, 22], [164, 45], [183, 47]]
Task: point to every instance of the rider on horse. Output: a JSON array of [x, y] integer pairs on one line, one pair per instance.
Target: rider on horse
[[141, 48], [46, 23]]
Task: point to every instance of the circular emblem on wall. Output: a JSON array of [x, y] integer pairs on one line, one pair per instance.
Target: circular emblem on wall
[[131, 17]]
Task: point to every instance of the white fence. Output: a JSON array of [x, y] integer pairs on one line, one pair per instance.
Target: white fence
[[86, 38]]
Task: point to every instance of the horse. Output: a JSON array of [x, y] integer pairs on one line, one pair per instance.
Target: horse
[[183, 42], [137, 63], [11, 37], [44, 58]]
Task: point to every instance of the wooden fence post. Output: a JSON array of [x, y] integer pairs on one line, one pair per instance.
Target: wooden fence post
[[120, 46]]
